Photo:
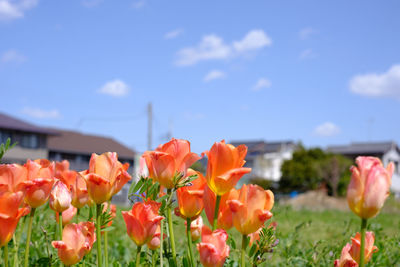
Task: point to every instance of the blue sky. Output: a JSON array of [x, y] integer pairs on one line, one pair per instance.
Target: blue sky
[[316, 71]]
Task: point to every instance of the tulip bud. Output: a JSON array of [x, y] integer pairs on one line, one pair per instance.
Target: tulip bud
[[369, 186], [195, 228], [213, 249], [60, 197]]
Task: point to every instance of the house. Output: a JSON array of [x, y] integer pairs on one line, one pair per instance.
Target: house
[[31, 139], [56, 144], [266, 158], [386, 151]]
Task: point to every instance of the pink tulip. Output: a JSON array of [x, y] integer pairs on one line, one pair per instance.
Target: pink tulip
[[155, 242], [77, 241], [195, 228], [142, 221], [60, 197], [369, 186], [213, 249]]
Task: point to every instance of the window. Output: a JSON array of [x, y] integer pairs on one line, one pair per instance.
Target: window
[[4, 135], [29, 141]]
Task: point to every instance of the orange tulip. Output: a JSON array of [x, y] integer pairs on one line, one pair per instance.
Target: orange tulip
[[225, 166], [213, 249], [105, 177], [350, 255], [67, 215], [75, 183], [155, 242], [10, 213], [77, 241], [169, 160], [251, 209], [60, 197], [195, 228], [190, 198], [39, 182], [142, 221], [369, 186], [12, 175], [225, 215]]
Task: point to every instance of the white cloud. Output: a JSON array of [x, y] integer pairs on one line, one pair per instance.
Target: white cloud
[[213, 47], [262, 83], [307, 54], [39, 113], [306, 33], [385, 84], [214, 75], [115, 88], [139, 4], [173, 34], [12, 56], [327, 129], [91, 3], [10, 10], [253, 40]]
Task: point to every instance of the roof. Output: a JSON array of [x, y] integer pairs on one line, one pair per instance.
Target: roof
[[11, 123], [363, 148], [75, 142], [262, 147]]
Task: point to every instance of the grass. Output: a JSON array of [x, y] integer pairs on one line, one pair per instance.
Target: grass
[[306, 238]]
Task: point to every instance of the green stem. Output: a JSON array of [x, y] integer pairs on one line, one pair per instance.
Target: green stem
[[106, 248], [139, 248], [98, 235], [189, 241], [5, 252], [60, 230], [362, 246], [17, 238], [243, 251], [170, 227], [161, 242], [154, 258], [28, 238], [216, 212]]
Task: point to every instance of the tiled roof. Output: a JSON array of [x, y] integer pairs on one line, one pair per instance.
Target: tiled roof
[[12, 123], [261, 147], [363, 148], [75, 142]]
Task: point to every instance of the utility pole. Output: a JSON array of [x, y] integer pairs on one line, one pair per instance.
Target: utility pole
[[149, 126], [170, 126]]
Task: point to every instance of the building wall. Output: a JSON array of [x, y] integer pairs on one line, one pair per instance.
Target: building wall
[[268, 166], [393, 156], [19, 154]]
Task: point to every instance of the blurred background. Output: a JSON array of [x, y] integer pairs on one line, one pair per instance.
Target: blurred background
[[280, 76]]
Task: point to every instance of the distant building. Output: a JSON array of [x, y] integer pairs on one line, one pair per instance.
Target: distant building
[[54, 144], [386, 151], [266, 158]]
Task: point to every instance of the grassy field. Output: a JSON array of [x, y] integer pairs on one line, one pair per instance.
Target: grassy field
[[306, 238]]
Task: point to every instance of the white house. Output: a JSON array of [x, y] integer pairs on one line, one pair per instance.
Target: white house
[[266, 158], [386, 151]]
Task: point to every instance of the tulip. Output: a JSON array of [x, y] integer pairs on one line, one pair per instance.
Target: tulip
[[224, 214], [155, 242], [60, 197], [12, 176], [10, 213], [77, 241], [225, 166], [351, 253], [39, 182], [169, 160], [67, 215], [213, 249], [190, 198], [251, 209], [369, 186], [105, 176], [142, 221], [75, 183], [195, 228]]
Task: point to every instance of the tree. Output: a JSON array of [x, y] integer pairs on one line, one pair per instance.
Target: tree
[[311, 168]]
